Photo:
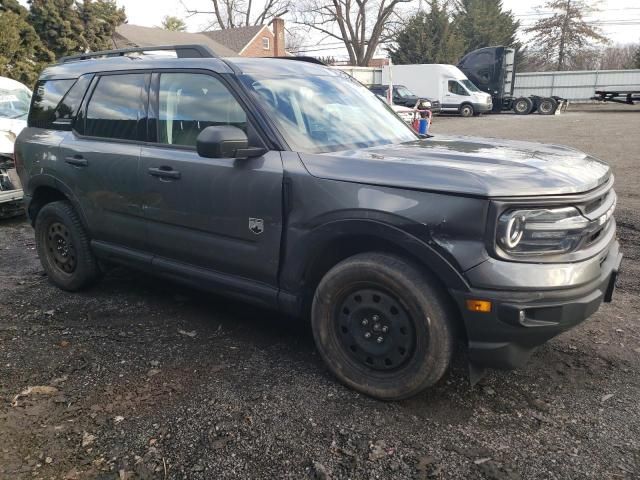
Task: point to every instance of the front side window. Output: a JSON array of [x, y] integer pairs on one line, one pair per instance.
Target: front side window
[[191, 102], [457, 89], [326, 113], [116, 108]]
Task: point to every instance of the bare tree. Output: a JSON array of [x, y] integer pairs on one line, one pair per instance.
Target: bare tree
[[241, 13], [361, 25], [566, 33], [619, 57]]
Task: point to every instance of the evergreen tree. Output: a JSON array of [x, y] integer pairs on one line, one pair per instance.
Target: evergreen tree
[[67, 27], [22, 54], [58, 24], [100, 19], [428, 37], [484, 23], [175, 24]]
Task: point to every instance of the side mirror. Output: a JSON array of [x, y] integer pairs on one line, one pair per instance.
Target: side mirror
[[225, 141]]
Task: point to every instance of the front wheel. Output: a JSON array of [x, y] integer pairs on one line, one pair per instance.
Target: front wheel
[[467, 110], [382, 326]]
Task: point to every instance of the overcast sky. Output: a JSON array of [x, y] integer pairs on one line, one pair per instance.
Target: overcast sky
[[620, 19]]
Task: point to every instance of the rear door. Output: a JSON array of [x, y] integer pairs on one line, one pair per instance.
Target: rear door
[[222, 215], [101, 157]]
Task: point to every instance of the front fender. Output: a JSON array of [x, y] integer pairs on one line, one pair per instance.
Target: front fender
[[304, 247]]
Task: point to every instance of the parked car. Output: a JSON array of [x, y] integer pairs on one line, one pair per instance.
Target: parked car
[[444, 83], [290, 185], [404, 97], [14, 106]]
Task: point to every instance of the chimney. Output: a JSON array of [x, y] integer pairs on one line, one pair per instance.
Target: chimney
[[278, 37]]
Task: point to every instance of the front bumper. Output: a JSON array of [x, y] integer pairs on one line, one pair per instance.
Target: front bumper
[[521, 320], [482, 107]]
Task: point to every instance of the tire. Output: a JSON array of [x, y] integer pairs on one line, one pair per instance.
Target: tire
[[523, 106], [63, 247], [466, 110], [375, 296], [547, 106]]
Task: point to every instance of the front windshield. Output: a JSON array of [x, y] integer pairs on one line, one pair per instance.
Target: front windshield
[[470, 86], [327, 113], [14, 103]]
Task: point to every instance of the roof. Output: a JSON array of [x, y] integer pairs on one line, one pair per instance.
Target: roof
[[235, 38], [134, 35], [263, 66]]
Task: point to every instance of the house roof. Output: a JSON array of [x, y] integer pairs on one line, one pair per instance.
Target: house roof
[[134, 35], [235, 38]]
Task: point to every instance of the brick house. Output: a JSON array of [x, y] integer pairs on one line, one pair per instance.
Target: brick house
[[252, 41]]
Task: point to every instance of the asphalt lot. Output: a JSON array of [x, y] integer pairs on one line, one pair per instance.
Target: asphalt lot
[[139, 378]]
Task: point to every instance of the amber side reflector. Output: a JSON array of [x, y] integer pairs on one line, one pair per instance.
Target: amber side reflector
[[479, 305]]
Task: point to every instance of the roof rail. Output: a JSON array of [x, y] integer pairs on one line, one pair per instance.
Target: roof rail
[[302, 58], [182, 51]]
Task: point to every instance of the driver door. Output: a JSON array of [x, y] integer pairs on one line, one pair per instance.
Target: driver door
[[222, 215]]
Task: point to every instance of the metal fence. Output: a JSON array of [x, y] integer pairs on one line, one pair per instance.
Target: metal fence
[[578, 86]]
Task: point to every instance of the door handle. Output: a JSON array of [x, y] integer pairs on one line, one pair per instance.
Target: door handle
[[164, 172], [76, 161]]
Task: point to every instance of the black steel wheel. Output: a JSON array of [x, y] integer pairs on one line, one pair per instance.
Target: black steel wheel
[[64, 248], [375, 329], [382, 325], [60, 248]]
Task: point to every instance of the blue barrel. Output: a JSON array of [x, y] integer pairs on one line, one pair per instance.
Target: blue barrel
[[423, 127]]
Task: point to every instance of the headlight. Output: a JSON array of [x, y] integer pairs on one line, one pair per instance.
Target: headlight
[[541, 231]]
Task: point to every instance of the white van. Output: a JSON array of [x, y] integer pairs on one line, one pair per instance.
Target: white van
[[445, 83]]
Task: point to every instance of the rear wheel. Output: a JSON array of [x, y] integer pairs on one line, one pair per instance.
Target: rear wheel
[[547, 106], [523, 106], [63, 247], [466, 110], [382, 326]]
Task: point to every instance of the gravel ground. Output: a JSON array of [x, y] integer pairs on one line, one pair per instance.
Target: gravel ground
[[138, 378]]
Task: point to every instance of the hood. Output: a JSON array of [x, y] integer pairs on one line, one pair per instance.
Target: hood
[[466, 165], [9, 131]]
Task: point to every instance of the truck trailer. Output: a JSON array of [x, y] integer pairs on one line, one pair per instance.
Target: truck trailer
[[493, 70]]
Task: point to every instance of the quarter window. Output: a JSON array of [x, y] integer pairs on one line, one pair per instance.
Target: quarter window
[[46, 98], [191, 102], [116, 108]]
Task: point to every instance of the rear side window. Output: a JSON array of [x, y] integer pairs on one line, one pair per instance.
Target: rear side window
[[69, 105], [46, 98], [116, 108]]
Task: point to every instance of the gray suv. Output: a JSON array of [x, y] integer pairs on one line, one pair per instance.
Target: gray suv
[[290, 185]]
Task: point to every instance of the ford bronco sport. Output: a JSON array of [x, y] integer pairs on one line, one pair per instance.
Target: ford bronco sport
[[290, 185]]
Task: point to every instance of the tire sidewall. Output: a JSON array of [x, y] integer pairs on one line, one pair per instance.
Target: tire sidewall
[[59, 212], [466, 108], [424, 368]]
